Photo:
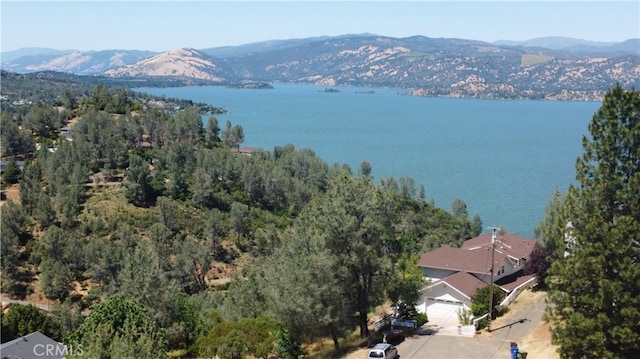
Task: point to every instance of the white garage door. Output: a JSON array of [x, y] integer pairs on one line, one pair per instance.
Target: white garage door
[[442, 308]]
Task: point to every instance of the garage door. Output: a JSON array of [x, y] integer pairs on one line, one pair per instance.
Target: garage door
[[442, 308]]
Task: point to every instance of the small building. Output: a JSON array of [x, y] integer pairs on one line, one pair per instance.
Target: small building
[[66, 133], [244, 150]]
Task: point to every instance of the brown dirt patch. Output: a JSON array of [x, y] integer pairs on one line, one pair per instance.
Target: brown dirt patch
[[524, 300], [362, 353], [538, 342], [13, 193]]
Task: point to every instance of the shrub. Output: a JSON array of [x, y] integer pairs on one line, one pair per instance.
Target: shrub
[[465, 317], [420, 318], [480, 301], [482, 323]]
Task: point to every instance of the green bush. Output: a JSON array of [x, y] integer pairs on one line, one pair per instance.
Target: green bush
[[287, 346], [465, 317], [482, 323], [480, 301], [421, 318], [23, 319]]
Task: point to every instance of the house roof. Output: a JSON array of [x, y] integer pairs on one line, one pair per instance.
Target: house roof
[[511, 244], [32, 345], [514, 283], [475, 254], [464, 282], [457, 259], [247, 150]]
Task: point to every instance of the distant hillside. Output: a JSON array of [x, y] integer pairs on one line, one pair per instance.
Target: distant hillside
[[180, 63], [76, 62], [8, 56], [565, 69], [264, 46], [583, 46], [555, 42], [256, 47], [443, 67]]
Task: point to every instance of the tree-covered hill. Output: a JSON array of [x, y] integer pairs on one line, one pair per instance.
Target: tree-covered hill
[[174, 241], [53, 88]]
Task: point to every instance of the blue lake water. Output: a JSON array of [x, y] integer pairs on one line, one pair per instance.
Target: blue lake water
[[503, 158]]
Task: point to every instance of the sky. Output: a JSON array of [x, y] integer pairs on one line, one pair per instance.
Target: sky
[[166, 25]]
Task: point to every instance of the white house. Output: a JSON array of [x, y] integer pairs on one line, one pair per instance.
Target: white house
[[456, 273]]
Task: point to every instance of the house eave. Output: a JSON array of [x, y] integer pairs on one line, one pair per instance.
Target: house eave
[[458, 270], [441, 282]]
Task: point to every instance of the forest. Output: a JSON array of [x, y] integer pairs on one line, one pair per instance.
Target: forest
[[152, 235]]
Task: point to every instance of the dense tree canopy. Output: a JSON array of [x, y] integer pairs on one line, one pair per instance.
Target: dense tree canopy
[[119, 328], [595, 289], [12, 236], [22, 319]]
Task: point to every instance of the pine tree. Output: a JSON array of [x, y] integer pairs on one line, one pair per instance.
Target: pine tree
[[595, 290]]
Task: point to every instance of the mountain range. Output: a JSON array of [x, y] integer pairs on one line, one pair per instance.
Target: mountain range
[[544, 68]]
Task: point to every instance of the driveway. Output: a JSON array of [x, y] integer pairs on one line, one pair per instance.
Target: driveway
[[436, 339], [427, 345], [442, 325]]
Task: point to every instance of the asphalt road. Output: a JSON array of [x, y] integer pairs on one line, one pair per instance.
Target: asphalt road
[[514, 326]]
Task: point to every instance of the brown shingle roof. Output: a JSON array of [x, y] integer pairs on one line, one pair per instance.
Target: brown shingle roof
[[458, 259], [518, 281], [511, 244], [475, 256], [464, 282]]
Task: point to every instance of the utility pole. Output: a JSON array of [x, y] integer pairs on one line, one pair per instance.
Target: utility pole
[[493, 241]]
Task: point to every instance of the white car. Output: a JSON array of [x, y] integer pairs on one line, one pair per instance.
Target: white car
[[383, 351]]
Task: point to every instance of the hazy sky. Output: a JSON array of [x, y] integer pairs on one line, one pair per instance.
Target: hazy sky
[[166, 25]]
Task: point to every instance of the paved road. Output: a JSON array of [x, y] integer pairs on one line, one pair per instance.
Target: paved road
[[517, 324], [513, 326], [454, 347]]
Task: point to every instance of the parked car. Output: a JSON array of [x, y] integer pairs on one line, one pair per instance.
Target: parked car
[[383, 351]]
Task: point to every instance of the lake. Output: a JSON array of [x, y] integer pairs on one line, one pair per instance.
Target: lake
[[503, 158]]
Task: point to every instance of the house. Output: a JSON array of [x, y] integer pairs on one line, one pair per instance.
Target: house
[[456, 273], [245, 150], [65, 132], [34, 345]]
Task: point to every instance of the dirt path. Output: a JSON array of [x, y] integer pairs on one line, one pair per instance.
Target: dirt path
[[8, 301]]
